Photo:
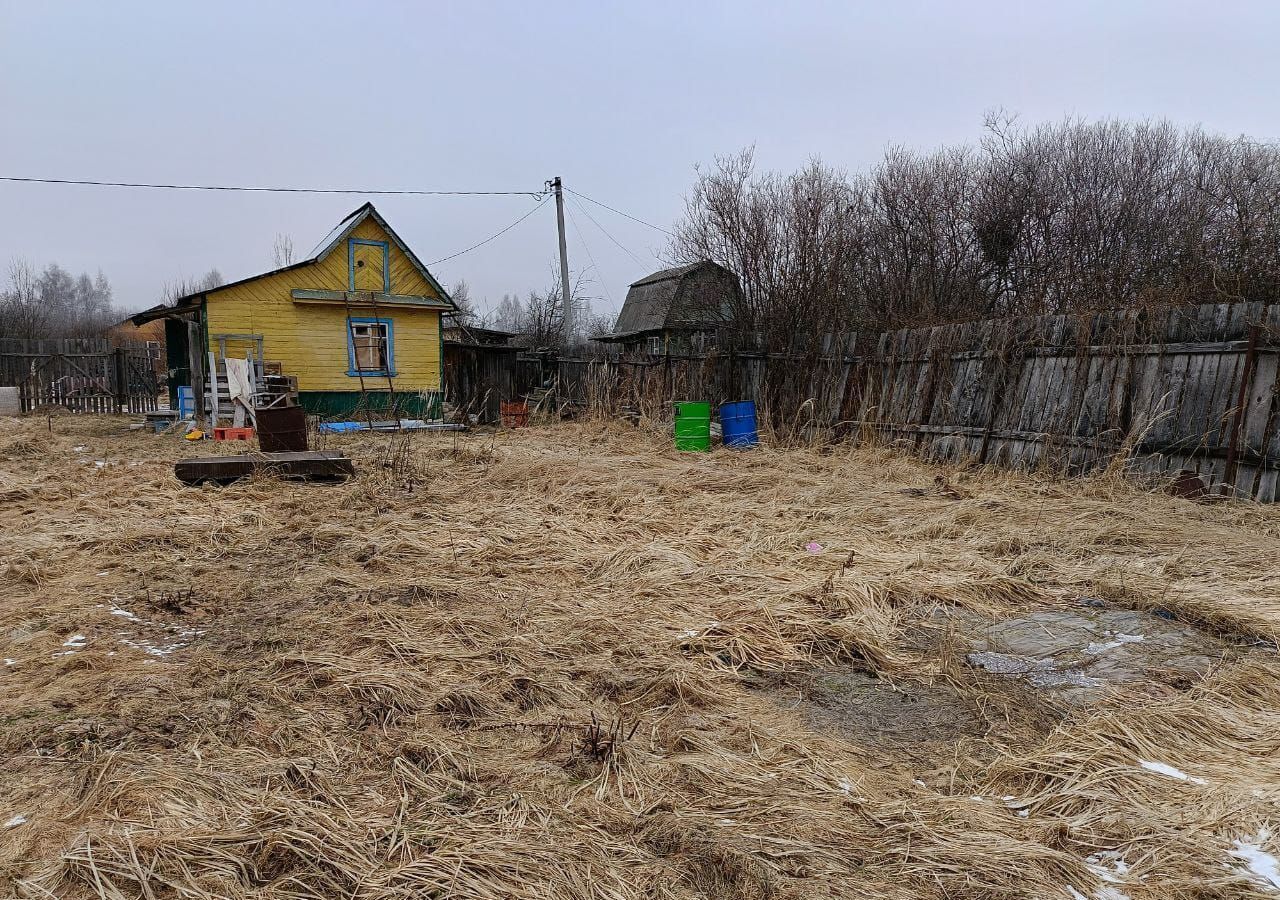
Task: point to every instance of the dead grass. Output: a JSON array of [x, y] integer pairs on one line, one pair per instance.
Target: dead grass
[[527, 665]]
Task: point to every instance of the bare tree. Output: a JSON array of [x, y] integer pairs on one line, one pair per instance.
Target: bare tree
[[1067, 216], [54, 303], [538, 320], [467, 314], [186, 287], [22, 315], [282, 250]]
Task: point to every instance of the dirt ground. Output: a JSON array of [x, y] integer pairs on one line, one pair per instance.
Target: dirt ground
[[570, 662]]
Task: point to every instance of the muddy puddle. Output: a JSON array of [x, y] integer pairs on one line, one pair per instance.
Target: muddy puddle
[[1023, 675], [1090, 652]]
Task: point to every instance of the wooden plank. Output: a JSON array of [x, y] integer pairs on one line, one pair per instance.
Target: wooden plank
[[316, 465]]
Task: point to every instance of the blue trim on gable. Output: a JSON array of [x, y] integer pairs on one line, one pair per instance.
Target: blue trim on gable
[[351, 262], [391, 347]]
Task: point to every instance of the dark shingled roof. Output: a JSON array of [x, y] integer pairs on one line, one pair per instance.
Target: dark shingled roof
[[655, 301], [667, 273]]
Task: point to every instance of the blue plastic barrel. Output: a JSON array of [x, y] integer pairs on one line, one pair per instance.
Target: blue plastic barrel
[[186, 402], [738, 424]]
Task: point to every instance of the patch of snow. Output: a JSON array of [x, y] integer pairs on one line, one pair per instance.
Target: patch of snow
[[1022, 814], [1107, 892], [117, 611], [181, 639], [1111, 870], [1167, 770], [10, 662], [1109, 865], [917, 782], [16, 821], [79, 449], [73, 644], [1263, 867], [1120, 640], [845, 785], [99, 463], [1074, 894]]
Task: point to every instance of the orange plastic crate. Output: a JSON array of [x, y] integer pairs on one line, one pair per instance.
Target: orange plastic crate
[[233, 434]]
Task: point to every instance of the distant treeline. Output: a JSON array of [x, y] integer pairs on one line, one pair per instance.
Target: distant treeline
[[53, 303], [1067, 217]]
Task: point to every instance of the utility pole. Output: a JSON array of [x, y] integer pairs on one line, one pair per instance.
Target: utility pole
[[566, 302]]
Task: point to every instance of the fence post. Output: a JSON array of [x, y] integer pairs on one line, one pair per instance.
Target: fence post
[[1242, 401], [120, 379]]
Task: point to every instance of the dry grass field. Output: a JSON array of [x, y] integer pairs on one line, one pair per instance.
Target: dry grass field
[[571, 662]]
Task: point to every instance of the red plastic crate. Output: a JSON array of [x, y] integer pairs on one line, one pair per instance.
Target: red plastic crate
[[233, 434]]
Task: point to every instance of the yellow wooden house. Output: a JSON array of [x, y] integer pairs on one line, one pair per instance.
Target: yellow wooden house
[[357, 322]]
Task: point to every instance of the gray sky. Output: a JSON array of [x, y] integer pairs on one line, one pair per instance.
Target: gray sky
[[621, 100]]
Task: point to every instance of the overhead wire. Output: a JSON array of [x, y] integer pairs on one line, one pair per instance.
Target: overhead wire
[[538, 196], [585, 246], [620, 212], [267, 190], [583, 210], [492, 237]]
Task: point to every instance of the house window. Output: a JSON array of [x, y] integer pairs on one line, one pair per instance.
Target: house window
[[370, 347], [654, 345]]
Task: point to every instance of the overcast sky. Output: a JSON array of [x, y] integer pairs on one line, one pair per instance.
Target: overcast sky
[[621, 100]]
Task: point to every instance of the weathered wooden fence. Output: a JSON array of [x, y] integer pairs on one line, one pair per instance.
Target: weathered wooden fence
[[84, 375], [479, 377], [1176, 388]]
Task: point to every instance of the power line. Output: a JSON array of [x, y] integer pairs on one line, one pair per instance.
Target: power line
[[582, 210], [492, 237], [582, 239], [267, 190], [620, 212]]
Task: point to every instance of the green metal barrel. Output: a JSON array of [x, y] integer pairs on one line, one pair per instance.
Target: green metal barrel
[[693, 426]]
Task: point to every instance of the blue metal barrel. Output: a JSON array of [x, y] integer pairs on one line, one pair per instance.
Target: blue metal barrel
[[738, 424]]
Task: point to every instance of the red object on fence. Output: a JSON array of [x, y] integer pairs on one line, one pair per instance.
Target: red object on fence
[[233, 434], [514, 415]]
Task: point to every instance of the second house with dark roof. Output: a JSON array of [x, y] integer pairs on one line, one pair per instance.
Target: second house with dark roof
[[676, 311]]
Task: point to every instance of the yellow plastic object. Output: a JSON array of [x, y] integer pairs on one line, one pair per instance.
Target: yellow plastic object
[[195, 434]]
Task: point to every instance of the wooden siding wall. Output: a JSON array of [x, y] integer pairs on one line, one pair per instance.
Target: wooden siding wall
[[310, 339], [1188, 388]]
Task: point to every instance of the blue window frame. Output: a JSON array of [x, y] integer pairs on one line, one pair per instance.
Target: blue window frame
[[371, 341], [351, 262]]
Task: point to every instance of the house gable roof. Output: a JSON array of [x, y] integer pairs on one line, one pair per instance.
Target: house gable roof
[[331, 242]]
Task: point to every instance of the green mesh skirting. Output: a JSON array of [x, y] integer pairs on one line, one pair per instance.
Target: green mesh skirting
[[350, 404]]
